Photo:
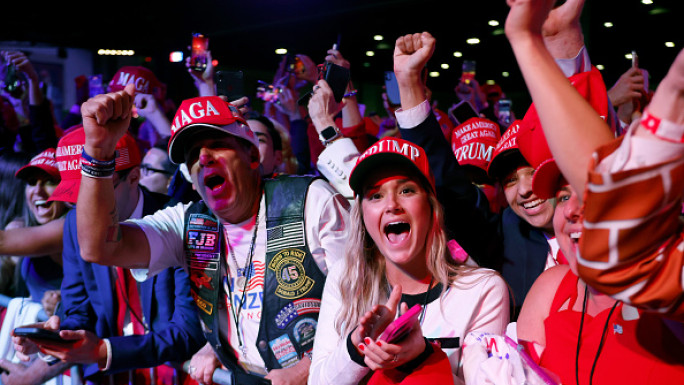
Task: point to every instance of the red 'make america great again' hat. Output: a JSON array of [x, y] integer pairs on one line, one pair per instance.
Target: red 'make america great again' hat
[[68, 159], [202, 113], [397, 153]]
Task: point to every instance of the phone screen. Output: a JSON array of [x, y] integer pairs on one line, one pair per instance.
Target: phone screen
[[337, 78], [635, 60], [40, 334], [468, 71], [462, 112], [392, 88], [198, 52], [504, 111]]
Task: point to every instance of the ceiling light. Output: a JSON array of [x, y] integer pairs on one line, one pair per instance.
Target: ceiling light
[[458, 53], [370, 53], [491, 82], [445, 66], [281, 51], [607, 24], [116, 52], [473, 41], [647, 2], [628, 56], [505, 74], [434, 74], [600, 67], [378, 37], [669, 44], [493, 23]]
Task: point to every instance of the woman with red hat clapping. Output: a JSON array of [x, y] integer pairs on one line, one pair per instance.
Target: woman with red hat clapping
[[397, 253]]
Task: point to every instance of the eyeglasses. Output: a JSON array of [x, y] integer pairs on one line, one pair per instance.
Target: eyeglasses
[[146, 170]]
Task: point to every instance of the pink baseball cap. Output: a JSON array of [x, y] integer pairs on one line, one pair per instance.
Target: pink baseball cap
[[505, 151], [202, 113], [45, 161], [68, 159], [473, 142], [395, 152]]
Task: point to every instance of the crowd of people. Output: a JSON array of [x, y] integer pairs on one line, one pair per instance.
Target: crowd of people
[[283, 245]]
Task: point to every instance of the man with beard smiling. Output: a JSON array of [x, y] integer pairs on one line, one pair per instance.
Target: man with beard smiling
[[257, 251]]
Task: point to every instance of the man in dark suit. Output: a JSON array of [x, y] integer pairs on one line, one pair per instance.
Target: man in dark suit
[[513, 242], [119, 325]]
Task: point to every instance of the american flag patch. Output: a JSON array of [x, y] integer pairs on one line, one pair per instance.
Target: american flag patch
[[289, 235], [123, 159]]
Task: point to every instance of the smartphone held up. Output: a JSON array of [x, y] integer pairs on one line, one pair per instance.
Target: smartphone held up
[[468, 71], [198, 52]]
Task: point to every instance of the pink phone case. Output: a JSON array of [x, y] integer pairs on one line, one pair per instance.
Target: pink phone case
[[401, 326]]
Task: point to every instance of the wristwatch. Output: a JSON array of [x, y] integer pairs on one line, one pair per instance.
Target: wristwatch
[[329, 134]]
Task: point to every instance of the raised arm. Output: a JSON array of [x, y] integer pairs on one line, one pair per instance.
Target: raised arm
[[467, 216], [573, 129], [102, 239], [45, 239]]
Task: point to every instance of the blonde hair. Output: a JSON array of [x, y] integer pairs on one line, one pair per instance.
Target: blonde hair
[[365, 284]]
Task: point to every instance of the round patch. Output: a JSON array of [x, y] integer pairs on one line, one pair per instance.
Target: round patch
[[290, 274]]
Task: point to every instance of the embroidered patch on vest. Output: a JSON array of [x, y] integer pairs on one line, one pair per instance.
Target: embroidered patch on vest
[[288, 235], [201, 279], [201, 303], [304, 331], [284, 351], [290, 274], [201, 222], [296, 308], [202, 240], [199, 264]]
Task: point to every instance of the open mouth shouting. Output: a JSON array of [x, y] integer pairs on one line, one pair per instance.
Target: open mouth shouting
[[214, 182], [43, 210], [575, 236], [397, 232]]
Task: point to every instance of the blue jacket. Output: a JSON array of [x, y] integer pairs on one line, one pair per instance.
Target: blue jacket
[[89, 302], [504, 242]]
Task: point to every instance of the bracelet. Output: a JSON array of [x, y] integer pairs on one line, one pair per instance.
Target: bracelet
[[96, 162], [95, 168], [96, 174], [663, 129]]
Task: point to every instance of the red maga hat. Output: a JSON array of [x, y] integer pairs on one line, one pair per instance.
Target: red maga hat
[[397, 153], [473, 142], [202, 113], [45, 161], [144, 80], [505, 149], [68, 159]]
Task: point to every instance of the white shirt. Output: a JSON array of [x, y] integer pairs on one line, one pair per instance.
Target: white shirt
[[474, 302], [325, 220]]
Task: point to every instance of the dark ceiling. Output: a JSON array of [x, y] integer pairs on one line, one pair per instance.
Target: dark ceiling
[[243, 35]]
